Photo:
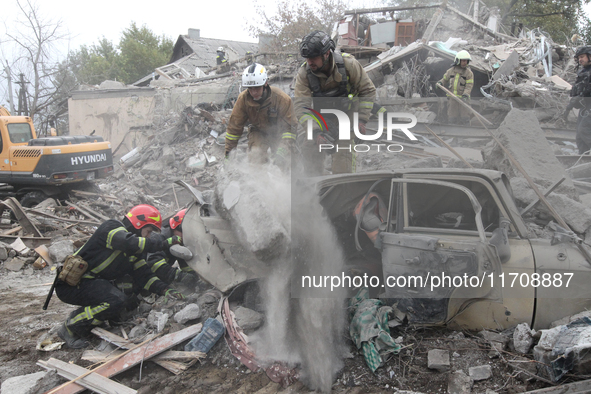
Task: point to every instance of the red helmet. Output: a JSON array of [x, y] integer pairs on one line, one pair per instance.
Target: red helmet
[[143, 215], [177, 219]]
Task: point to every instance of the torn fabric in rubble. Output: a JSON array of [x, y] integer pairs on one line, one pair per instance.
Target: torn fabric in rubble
[[238, 345], [369, 328]]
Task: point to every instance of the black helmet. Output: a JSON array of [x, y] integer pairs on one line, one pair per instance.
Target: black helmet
[[315, 44], [586, 50]]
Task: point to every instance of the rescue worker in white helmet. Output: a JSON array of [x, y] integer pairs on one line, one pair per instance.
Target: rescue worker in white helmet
[[220, 56], [460, 80], [268, 112], [330, 80], [116, 249]]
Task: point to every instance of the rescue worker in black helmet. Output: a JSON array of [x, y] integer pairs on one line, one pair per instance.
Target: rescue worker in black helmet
[[161, 263], [330, 80], [580, 93], [461, 80], [268, 112], [116, 249]]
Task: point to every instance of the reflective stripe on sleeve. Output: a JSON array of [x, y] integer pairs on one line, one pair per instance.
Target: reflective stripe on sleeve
[[111, 234]]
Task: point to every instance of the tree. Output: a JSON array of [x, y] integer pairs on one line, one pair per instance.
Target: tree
[[292, 21], [31, 58], [139, 52], [142, 52], [95, 63]]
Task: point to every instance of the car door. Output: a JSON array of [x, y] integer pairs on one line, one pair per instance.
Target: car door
[[436, 258]]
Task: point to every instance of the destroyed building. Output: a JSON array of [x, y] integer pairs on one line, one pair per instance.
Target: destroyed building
[[167, 134]]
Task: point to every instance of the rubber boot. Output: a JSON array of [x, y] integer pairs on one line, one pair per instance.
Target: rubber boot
[[72, 340]]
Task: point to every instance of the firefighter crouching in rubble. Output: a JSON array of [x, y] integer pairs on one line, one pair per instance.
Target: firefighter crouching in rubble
[[580, 93], [330, 80], [116, 249], [461, 80], [161, 262], [270, 113]]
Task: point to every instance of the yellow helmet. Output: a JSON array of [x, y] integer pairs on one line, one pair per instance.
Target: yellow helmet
[[461, 55]]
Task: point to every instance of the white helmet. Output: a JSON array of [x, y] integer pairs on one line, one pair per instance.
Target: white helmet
[[220, 49], [254, 75]]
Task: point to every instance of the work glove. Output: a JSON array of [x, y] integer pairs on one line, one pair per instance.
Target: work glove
[[172, 293], [174, 240], [465, 97], [281, 158], [362, 128], [185, 278], [155, 243]]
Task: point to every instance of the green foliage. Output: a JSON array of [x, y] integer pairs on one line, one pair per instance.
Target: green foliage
[[293, 20], [137, 55]]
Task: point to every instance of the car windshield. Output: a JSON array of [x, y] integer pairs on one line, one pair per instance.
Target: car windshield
[[19, 132]]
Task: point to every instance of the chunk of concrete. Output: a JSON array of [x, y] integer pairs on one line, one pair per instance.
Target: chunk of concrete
[[189, 312], [21, 384], [524, 368], [14, 264], [158, 320], [181, 252], [497, 341], [248, 319], [520, 133], [3, 253], [153, 168], [523, 338], [58, 251], [563, 349], [168, 157], [481, 372], [438, 359], [459, 383]]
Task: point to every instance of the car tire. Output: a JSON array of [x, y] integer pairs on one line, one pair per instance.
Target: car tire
[[31, 199]]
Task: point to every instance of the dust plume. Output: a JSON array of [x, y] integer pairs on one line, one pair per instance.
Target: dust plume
[[303, 328]]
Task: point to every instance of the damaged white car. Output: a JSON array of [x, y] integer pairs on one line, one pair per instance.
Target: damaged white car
[[445, 246]]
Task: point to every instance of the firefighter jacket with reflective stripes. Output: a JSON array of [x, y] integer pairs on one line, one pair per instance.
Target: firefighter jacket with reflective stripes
[[112, 252], [273, 117], [361, 89], [459, 79], [161, 262]]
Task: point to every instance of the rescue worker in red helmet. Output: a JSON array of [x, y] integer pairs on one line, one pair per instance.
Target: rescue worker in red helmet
[[161, 262], [116, 249]]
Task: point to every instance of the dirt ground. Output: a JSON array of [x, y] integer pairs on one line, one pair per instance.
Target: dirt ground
[[23, 323]]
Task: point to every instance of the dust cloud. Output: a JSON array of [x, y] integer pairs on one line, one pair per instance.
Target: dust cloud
[[304, 327]]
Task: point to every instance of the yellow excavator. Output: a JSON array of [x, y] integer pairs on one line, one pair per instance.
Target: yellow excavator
[[33, 169]]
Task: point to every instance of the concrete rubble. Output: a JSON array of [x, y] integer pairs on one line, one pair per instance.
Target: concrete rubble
[[184, 142]]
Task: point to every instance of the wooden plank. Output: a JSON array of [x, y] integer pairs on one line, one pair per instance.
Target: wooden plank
[[18, 211], [112, 338], [41, 213], [126, 344], [96, 356], [387, 9], [90, 194], [93, 381], [582, 387], [135, 356], [83, 211], [12, 230]]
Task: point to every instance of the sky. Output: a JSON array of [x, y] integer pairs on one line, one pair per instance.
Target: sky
[[87, 22]]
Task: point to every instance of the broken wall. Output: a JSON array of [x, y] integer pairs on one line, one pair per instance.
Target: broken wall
[[112, 114]]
